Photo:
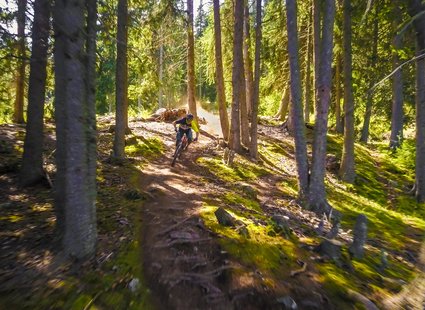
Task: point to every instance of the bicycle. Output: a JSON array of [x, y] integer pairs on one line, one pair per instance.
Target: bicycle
[[179, 149]]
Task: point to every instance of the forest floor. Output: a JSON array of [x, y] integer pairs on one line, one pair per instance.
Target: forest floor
[[160, 246]]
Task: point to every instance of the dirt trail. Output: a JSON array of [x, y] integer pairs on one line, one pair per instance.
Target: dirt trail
[[183, 264]]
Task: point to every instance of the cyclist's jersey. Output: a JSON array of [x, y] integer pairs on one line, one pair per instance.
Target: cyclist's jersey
[[184, 125]]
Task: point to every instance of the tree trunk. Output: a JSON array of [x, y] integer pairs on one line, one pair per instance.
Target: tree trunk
[[397, 90], [338, 119], [307, 97], [91, 131], [247, 61], [73, 130], [161, 73], [415, 7], [284, 104], [369, 102], [346, 170], [121, 82], [237, 77], [191, 62], [317, 193], [18, 113], [32, 160], [296, 106], [221, 94], [257, 74], [316, 42]]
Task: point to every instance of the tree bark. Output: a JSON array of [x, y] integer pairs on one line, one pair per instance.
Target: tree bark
[[316, 42], [18, 113], [284, 104], [346, 170], [32, 160], [247, 61], [256, 91], [369, 102], [121, 82], [73, 132], [91, 131], [415, 7], [221, 94], [317, 194], [307, 92], [191, 62], [338, 118], [296, 106], [397, 114], [237, 77]]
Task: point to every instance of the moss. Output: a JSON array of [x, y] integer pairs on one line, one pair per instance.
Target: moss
[[148, 148], [242, 169], [272, 254], [233, 198]]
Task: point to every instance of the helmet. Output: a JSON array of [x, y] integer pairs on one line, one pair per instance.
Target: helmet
[[189, 116]]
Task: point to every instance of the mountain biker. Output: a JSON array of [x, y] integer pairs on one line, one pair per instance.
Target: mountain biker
[[186, 124]]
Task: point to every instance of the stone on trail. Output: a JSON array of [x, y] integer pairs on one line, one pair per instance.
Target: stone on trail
[[330, 248], [281, 224], [360, 234], [224, 218], [287, 303]]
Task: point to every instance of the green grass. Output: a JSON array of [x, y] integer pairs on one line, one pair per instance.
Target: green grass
[[260, 250], [148, 148], [242, 169], [380, 191]]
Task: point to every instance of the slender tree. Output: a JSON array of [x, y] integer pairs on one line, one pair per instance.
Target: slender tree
[[257, 74], [191, 61], [32, 160], [121, 81], [372, 65], [74, 130], [417, 7], [237, 77], [317, 194], [307, 91], [296, 105], [397, 87], [346, 171], [338, 94], [284, 104], [18, 113], [219, 80], [316, 40], [247, 59]]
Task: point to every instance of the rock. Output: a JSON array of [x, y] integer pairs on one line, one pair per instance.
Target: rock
[[330, 248], [287, 303], [134, 285], [281, 224], [333, 233], [224, 218], [384, 261], [360, 234], [248, 190], [242, 230]]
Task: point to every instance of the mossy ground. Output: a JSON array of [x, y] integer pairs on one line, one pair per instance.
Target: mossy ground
[[395, 220], [102, 283]]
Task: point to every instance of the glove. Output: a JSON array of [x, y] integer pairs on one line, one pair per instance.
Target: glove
[[196, 139], [175, 129]]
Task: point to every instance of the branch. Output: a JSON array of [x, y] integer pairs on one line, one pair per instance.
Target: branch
[[394, 71]]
